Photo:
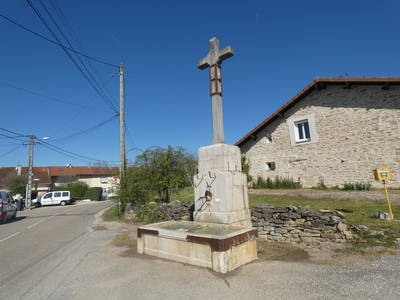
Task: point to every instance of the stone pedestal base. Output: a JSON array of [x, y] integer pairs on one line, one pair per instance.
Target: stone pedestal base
[[223, 251], [220, 187]]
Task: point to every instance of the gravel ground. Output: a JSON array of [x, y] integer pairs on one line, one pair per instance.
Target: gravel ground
[[111, 272]]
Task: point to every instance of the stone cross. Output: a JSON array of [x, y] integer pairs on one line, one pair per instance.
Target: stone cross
[[213, 62]]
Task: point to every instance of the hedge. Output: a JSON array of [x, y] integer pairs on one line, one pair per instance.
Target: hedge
[[94, 193]]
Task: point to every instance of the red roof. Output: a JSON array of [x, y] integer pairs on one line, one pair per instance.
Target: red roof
[[75, 171], [38, 172], [316, 83], [44, 174]]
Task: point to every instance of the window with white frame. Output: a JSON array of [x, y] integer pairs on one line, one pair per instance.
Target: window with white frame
[[302, 131]]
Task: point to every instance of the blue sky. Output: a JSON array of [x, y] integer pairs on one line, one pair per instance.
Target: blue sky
[[280, 47]]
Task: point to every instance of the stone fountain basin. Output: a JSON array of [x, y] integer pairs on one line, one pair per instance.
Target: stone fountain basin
[[219, 247]]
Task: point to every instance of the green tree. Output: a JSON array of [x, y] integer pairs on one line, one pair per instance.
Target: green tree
[[17, 184], [156, 173]]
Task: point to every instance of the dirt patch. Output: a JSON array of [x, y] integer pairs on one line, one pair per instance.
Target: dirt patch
[[280, 251], [124, 239], [129, 253], [99, 227]]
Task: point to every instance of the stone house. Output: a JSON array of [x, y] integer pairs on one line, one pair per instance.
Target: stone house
[[334, 131], [44, 178]]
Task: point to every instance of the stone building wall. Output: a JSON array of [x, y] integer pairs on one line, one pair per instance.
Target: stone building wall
[[356, 131]]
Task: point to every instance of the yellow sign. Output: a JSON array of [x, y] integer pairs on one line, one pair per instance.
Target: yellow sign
[[382, 174]]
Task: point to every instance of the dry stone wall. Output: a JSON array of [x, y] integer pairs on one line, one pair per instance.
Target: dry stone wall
[[300, 224]]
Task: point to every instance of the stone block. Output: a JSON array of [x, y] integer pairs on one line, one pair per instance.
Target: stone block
[[221, 157]]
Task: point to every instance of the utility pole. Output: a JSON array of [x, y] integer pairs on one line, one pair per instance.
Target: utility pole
[[30, 171], [122, 153]]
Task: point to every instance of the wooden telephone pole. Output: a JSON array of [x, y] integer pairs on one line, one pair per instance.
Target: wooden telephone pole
[[28, 200], [122, 153]]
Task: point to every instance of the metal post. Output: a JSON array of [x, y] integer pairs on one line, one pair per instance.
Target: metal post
[[30, 172], [122, 153], [388, 200]]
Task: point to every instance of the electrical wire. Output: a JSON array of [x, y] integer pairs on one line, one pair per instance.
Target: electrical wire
[[13, 132], [79, 58], [94, 127], [57, 43], [47, 97], [10, 151], [58, 11], [11, 137], [69, 153], [8, 145], [69, 56]]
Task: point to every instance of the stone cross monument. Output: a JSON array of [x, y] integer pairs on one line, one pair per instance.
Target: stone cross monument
[[220, 186], [213, 62]]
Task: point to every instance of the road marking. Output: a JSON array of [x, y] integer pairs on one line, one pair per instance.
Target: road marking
[[9, 237], [33, 225]]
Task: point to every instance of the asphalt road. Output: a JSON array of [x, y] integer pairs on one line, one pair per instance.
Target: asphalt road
[[39, 248]]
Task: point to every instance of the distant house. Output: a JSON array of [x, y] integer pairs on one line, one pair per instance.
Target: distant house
[[46, 177], [335, 131], [41, 176]]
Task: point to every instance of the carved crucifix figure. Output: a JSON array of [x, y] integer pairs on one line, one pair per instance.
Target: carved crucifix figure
[[213, 62]]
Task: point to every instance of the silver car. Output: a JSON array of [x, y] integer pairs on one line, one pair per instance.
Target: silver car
[[8, 208]]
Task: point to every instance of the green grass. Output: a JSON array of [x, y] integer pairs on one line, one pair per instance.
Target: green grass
[[112, 214], [185, 195], [359, 212]]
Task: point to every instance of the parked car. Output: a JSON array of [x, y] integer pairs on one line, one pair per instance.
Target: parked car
[[8, 208], [54, 198]]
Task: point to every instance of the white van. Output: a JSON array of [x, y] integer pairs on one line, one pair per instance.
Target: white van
[[54, 198]]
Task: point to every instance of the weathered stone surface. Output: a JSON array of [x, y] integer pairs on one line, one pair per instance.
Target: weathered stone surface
[[299, 224], [220, 178], [345, 151], [381, 215], [360, 227]]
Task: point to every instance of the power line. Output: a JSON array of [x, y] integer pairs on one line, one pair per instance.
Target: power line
[[10, 151], [13, 132], [79, 58], [57, 43], [61, 16], [8, 145], [69, 153], [46, 96], [94, 127], [70, 57]]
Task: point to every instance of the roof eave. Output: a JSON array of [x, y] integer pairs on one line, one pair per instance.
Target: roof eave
[[308, 89]]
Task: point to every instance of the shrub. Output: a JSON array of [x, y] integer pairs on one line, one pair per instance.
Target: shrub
[[94, 193], [78, 189], [277, 183], [114, 213], [150, 212], [246, 168], [156, 174], [358, 186], [16, 184]]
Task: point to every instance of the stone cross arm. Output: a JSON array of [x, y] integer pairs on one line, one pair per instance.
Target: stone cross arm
[[215, 55]]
